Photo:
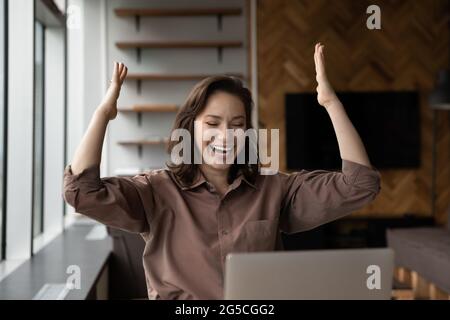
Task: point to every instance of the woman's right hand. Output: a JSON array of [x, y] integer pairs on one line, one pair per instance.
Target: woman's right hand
[[109, 104]]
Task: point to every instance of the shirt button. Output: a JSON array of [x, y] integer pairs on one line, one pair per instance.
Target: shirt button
[[224, 232]]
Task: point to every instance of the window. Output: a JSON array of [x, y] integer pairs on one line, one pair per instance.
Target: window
[[38, 131], [2, 123], [35, 142], [48, 123]]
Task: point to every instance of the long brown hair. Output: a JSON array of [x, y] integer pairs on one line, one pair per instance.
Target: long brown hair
[[193, 106]]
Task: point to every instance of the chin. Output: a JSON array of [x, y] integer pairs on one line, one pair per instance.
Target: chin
[[220, 166], [216, 157]]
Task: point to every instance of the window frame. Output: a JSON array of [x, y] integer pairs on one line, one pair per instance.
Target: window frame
[[3, 125], [41, 168], [65, 135]]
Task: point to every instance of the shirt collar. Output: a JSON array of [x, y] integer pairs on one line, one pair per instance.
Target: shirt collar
[[200, 179]]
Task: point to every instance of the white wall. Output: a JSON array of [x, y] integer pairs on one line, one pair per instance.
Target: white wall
[[84, 63], [93, 57], [85, 74], [75, 76]]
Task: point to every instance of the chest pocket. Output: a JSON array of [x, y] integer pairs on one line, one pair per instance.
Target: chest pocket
[[257, 235]]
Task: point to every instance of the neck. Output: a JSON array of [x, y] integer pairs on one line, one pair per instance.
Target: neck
[[218, 177]]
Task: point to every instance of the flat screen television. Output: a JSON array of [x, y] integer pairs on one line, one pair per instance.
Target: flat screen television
[[388, 123]]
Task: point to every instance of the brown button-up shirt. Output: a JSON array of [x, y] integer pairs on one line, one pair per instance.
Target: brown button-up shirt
[[189, 229]]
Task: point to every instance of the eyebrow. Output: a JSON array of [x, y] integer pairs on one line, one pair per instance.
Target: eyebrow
[[218, 117]]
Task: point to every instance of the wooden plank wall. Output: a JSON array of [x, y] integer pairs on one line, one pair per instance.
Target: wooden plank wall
[[404, 55]]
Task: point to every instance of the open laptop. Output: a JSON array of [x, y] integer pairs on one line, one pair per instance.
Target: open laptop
[[356, 274]]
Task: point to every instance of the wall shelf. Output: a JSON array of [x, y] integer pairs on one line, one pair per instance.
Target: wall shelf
[[150, 108], [140, 108], [177, 12], [178, 44], [144, 142], [137, 13], [174, 77], [139, 77], [217, 44]]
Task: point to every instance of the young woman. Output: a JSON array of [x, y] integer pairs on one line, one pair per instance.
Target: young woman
[[192, 215]]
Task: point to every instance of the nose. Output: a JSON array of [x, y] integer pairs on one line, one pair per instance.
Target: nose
[[224, 136]]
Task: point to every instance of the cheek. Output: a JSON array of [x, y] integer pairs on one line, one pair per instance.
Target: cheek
[[198, 138], [239, 142]]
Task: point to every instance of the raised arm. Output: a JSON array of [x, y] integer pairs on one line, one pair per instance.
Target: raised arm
[[313, 198], [89, 151], [115, 201], [350, 144]]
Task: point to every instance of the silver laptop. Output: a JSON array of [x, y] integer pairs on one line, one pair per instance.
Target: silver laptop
[[356, 274]]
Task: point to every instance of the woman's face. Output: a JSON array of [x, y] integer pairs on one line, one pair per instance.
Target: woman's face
[[222, 111]]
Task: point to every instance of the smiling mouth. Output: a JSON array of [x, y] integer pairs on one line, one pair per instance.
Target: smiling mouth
[[220, 149]]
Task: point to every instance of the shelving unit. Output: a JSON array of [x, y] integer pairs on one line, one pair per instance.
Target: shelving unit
[[137, 13], [139, 43]]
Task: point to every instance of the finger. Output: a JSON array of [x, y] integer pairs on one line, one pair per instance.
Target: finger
[[115, 69], [123, 74], [320, 62], [322, 58], [315, 52], [120, 70], [316, 60]]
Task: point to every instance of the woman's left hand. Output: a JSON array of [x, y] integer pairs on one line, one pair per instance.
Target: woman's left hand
[[325, 93]]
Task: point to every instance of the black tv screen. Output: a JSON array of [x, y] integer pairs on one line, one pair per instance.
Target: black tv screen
[[388, 123]]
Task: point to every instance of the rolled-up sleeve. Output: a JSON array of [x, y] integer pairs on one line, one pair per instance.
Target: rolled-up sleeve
[[313, 198], [113, 201]]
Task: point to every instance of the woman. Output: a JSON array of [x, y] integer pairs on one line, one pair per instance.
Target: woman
[[192, 215]]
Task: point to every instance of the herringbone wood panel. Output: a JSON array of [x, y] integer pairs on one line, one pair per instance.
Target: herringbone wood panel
[[404, 55]]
